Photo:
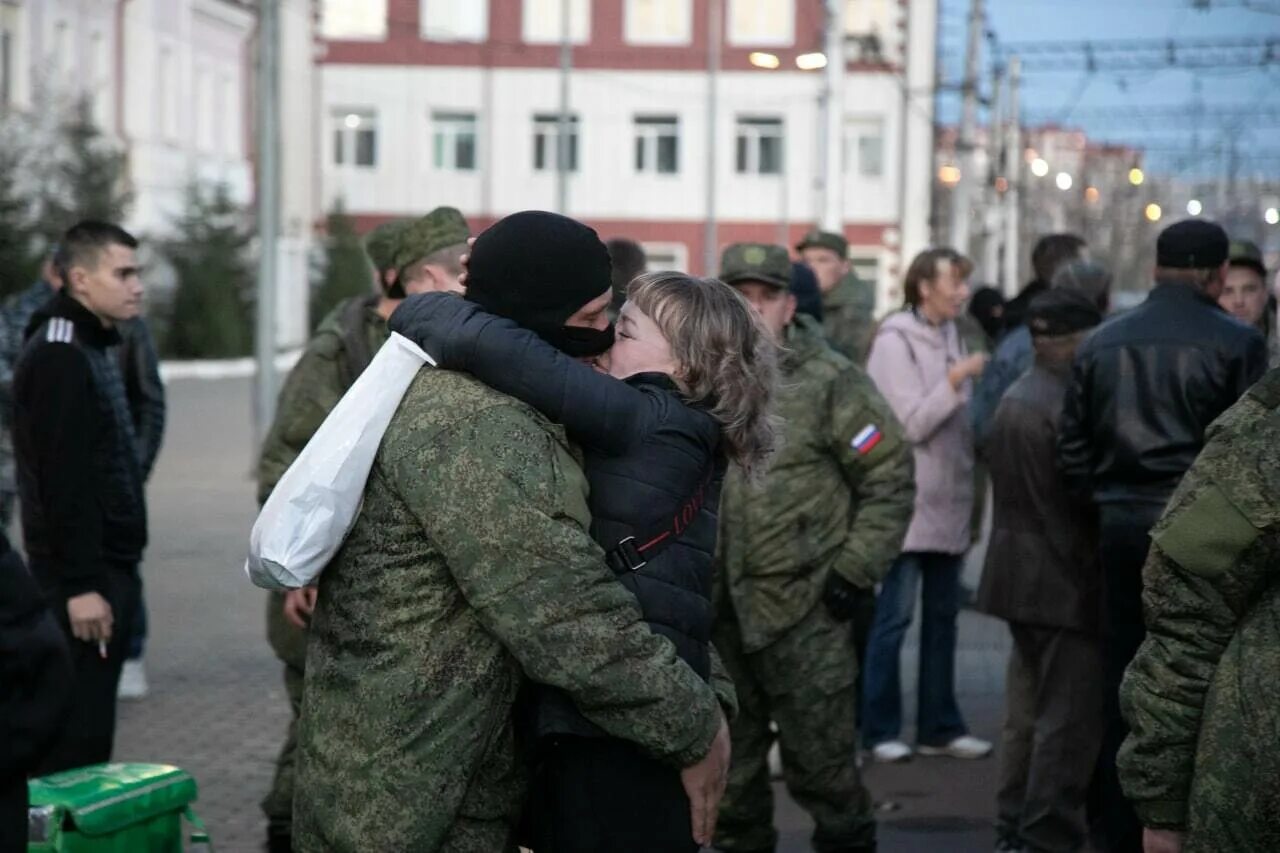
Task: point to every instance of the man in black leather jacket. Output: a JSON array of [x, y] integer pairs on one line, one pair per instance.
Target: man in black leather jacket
[[1145, 387]]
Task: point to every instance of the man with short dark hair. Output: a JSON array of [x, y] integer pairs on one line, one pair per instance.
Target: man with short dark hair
[[80, 479], [1145, 388], [1245, 297], [1013, 355]]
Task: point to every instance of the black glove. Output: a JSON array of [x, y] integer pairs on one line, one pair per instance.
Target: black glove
[[840, 597]]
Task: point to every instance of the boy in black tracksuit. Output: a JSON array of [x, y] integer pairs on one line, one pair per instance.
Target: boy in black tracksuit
[[35, 684], [79, 478]]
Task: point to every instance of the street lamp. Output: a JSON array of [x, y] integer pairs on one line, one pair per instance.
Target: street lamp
[[949, 175], [352, 121], [1136, 177], [1063, 181], [1039, 167], [764, 60], [1092, 195], [1153, 212], [1194, 207], [811, 61]]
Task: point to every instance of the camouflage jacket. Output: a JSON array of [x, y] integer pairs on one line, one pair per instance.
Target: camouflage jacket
[[315, 385], [1200, 695], [848, 318], [838, 496], [469, 570]]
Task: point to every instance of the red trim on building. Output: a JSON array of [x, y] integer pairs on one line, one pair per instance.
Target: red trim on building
[[606, 48], [690, 234]]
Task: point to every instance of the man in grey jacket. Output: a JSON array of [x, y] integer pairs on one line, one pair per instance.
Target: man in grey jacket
[[1042, 577]]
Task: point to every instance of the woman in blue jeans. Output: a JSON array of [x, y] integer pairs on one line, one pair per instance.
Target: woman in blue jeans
[[921, 366]]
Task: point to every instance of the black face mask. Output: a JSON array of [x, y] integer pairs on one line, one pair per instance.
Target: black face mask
[[578, 342]]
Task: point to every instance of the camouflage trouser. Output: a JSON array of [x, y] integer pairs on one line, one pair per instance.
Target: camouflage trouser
[[290, 646], [806, 684]]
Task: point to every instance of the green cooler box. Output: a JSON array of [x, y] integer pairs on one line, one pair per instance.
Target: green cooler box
[[114, 808]]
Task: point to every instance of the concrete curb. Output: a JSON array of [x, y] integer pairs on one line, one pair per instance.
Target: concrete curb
[[231, 368]]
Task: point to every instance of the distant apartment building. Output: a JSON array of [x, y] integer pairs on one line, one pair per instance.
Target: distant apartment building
[[430, 102]]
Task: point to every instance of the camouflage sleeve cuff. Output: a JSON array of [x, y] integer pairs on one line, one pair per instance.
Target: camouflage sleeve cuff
[[701, 744], [1162, 814]]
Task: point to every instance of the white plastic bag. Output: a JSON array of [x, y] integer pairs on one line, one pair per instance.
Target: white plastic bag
[[315, 504]]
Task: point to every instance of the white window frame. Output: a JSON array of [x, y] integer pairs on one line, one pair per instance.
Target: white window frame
[[547, 125], [631, 23], [863, 257], [758, 34], [540, 21], [648, 131], [448, 128], [857, 130], [756, 129], [338, 17], [339, 125], [433, 28], [678, 252]]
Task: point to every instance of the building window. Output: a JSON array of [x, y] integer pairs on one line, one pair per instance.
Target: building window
[[759, 146], [865, 267], [355, 138], [454, 20], [353, 19], [542, 21], [453, 141], [864, 151], [659, 21], [229, 123], [170, 96], [6, 68], [660, 257], [658, 144], [546, 130], [765, 23]]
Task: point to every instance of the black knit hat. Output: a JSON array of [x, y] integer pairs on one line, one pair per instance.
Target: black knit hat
[[1193, 244], [1061, 312], [538, 269]]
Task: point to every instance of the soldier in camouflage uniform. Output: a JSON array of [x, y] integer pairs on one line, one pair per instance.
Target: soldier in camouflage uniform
[[342, 347], [1201, 764], [470, 570], [794, 552], [848, 302]]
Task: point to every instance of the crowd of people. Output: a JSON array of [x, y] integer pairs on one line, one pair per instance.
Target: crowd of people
[[639, 528]]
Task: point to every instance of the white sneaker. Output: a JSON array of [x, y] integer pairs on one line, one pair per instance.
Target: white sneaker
[[133, 681], [964, 746], [891, 752]]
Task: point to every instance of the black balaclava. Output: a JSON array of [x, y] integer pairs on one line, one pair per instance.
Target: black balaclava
[[538, 269]]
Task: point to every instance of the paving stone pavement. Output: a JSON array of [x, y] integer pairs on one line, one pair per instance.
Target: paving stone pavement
[[217, 705]]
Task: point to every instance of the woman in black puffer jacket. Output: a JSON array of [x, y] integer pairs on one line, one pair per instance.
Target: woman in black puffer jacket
[[684, 392]]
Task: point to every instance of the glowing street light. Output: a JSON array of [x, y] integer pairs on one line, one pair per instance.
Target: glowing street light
[[1194, 207], [1153, 212], [1136, 177], [352, 121], [1064, 181], [764, 60], [1092, 195], [1039, 167], [949, 175], [811, 61], [1272, 216]]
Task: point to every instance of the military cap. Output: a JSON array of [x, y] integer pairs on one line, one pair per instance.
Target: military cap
[[439, 229], [819, 239], [761, 262], [1193, 244], [1243, 253], [380, 243], [1061, 311]]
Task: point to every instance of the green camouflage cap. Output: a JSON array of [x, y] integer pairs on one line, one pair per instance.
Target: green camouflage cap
[[380, 243], [756, 262], [439, 229], [1243, 253], [819, 239]]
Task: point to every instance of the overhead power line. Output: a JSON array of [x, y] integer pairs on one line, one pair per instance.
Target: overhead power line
[[1180, 115], [1145, 54]]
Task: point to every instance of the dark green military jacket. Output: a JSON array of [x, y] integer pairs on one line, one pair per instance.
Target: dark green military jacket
[[469, 570], [848, 317], [1203, 693], [829, 501]]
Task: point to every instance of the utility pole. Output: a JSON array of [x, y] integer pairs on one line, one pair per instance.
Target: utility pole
[[995, 148], [962, 196], [562, 129], [1013, 174], [832, 209], [710, 240], [268, 212]]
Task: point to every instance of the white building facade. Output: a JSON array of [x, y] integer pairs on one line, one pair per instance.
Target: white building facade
[[430, 102]]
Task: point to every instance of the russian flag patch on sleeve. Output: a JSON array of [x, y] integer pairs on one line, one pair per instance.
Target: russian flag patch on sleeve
[[866, 441]]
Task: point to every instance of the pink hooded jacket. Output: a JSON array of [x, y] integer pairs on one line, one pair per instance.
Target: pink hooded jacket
[[909, 363]]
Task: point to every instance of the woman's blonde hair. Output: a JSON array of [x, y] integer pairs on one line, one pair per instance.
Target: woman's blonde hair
[[727, 360]]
